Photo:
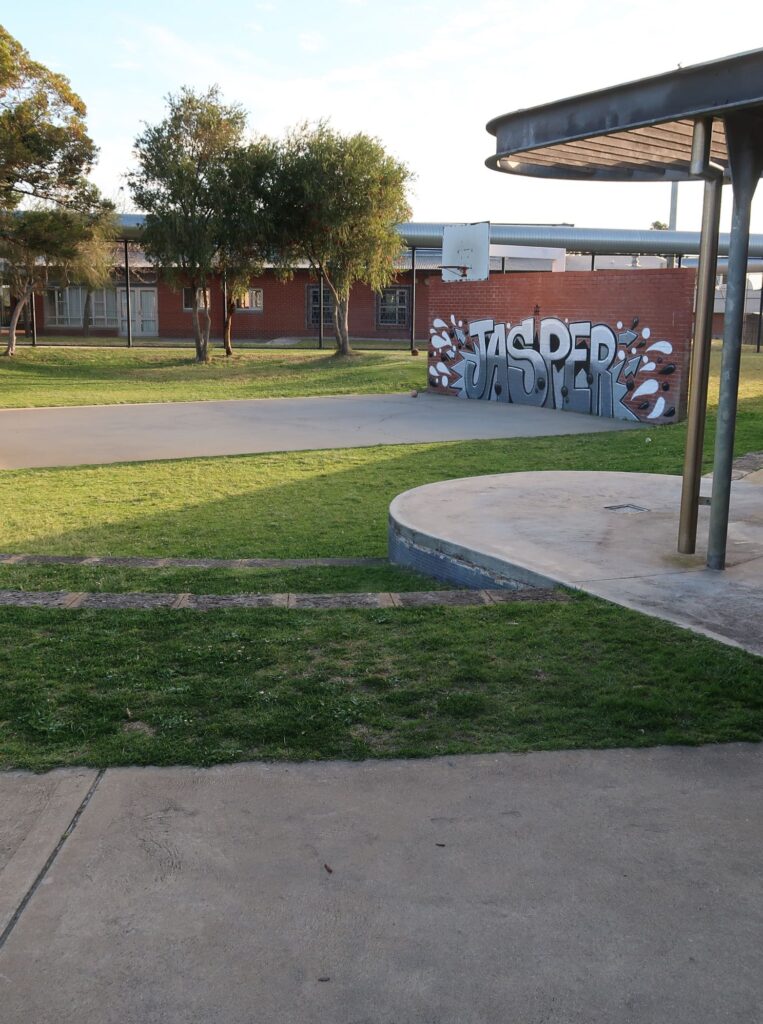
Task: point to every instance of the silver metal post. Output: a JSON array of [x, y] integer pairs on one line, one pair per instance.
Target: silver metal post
[[413, 298], [703, 329], [33, 312], [127, 296], [746, 162], [671, 262], [320, 311]]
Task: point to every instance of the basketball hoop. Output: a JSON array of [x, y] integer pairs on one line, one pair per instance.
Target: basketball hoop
[[466, 252], [462, 270]]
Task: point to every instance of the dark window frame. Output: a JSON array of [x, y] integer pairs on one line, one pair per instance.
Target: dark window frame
[[312, 304], [405, 322], [189, 309], [252, 309]]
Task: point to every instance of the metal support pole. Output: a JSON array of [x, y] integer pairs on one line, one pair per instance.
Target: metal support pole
[[700, 365], [760, 314], [33, 311], [593, 261], [127, 296], [746, 163], [413, 298], [320, 312], [673, 217]]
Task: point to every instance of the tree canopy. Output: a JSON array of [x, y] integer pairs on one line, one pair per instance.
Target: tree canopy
[[50, 240], [46, 151], [335, 202], [180, 183]]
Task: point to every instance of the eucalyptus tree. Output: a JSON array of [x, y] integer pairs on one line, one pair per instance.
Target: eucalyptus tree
[[180, 183], [45, 151], [335, 202], [46, 241]]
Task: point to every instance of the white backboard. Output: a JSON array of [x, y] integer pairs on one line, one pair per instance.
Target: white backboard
[[466, 252]]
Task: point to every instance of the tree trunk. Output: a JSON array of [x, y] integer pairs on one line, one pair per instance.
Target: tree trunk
[[341, 325], [200, 330], [86, 314], [17, 310], [228, 332]]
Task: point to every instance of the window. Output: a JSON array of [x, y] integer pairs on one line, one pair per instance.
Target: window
[[188, 298], [251, 301], [314, 306], [65, 307], [393, 307]]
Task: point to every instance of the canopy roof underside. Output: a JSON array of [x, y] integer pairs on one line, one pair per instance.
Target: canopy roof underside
[[661, 152], [639, 131]]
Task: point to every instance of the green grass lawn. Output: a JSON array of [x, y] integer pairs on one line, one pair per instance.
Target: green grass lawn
[[137, 688], [109, 376], [103, 688], [112, 580]]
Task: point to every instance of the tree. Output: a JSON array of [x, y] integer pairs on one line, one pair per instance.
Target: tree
[[335, 203], [658, 225], [245, 189], [34, 243], [45, 152], [180, 185]]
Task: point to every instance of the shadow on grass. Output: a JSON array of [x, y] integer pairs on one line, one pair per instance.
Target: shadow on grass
[[297, 504]]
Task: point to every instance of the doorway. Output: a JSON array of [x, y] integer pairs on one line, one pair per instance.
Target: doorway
[[142, 312]]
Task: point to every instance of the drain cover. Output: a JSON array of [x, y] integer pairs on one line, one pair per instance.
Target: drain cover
[[628, 509]]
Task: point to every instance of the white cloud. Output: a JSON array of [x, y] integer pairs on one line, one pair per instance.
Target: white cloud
[[428, 96], [311, 42]]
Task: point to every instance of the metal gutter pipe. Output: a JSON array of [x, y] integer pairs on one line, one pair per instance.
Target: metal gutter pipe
[[602, 241]]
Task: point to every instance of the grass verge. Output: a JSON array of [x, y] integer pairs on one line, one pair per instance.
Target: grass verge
[[214, 581], [38, 377], [155, 688]]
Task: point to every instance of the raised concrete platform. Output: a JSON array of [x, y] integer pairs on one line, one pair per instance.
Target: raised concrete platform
[[543, 529], [177, 430]]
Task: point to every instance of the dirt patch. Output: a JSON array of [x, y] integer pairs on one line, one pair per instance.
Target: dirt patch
[[141, 727]]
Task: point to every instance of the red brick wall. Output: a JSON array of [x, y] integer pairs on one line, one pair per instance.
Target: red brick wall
[[662, 300]]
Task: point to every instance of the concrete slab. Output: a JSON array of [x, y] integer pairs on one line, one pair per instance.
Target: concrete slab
[[176, 430], [563, 888], [610, 534], [36, 811]]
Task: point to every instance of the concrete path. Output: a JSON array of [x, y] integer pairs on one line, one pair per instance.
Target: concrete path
[[553, 888], [176, 430], [611, 534]]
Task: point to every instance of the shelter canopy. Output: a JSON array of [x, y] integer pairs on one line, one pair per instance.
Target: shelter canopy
[[637, 131]]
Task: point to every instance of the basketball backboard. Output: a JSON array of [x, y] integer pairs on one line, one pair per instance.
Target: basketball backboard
[[466, 252]]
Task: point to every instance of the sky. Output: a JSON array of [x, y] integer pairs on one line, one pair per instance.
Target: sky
[[424, 78]]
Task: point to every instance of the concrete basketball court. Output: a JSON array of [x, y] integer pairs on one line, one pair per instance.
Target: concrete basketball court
[[178, 430], [576, 887]]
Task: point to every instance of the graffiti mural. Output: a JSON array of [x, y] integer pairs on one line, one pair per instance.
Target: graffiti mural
[[579, 366]]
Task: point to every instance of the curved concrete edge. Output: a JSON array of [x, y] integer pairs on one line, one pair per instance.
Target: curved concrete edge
[[449, 561], [427, 524]]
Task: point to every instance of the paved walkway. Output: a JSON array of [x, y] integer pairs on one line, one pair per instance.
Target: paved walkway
[[611, 534], [584, 887], [176, 430]]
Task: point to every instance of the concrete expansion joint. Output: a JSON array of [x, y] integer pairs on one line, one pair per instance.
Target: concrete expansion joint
[[5, 935]]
